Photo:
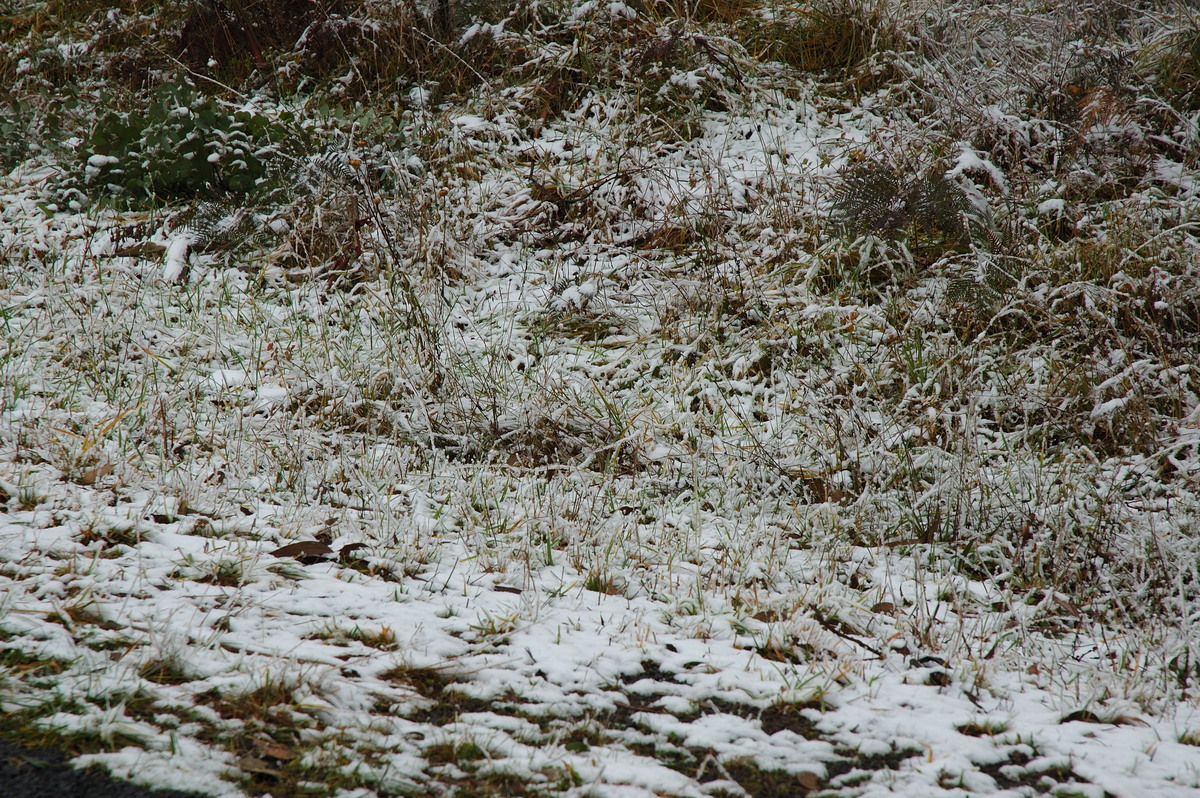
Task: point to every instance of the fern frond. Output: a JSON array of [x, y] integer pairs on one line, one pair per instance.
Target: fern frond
[[964, 292], [324, 169], [875, 200], [871, 202], [939, 204], [983, 289], [317, 199], [222, 225], [293, 177]]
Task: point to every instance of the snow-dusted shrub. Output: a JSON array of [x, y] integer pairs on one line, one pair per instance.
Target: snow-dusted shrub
[[828, 37], [678, 73], [700, 11], [1173, 61], [183, 145]]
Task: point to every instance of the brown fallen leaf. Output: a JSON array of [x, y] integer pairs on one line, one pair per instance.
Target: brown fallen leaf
[[938, 679], [273, 750], [770, 615], [929, 533], [305, 548], [90, 476], [141, 249], [1087, 716], [346, 553], [808, 781], [252, 764], [1068, 606]]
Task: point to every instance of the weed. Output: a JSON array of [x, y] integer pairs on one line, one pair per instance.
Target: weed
[[983, 728], [428, 682], [164, 671], [830, 37], [600, 582], [928, 211], [1174, 59], [20, 664]]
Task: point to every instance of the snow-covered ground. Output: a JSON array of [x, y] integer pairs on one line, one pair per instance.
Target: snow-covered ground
[[619, 468]]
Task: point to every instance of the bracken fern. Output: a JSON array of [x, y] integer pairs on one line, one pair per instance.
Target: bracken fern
[[874, 200]]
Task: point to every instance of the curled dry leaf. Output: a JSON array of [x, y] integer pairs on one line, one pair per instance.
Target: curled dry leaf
[[273, 750], [90, 476], [305, 548], [142, 249], [1069, 606], [808, 781], [346, 553], [252, 764]]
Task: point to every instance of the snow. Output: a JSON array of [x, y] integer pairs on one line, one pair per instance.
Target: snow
[[1107, 408], [419, 96], [470, 123], [176, 263], [1051, 206], [573, 648], [969, 160]]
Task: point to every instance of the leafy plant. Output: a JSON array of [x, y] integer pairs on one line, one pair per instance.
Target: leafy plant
[[291, 187], [878, 201], [1175, 62], [183, 145], [832, 37]]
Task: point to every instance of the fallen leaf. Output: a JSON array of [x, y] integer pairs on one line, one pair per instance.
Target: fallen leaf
[[926, 661], [305, 548], [141, 249], [252, 764], [346, 553], [274, 750], [929, 534], [808, 781], [938, 679], [1068, 606], [90, 476]]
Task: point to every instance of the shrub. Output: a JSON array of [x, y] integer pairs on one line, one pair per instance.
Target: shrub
[[184, 144], [831, 37], [1174, 62]]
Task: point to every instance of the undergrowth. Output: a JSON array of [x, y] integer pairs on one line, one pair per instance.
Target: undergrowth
[[594, 287]]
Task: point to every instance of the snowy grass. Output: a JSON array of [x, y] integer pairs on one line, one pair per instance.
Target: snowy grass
[[618, 462]]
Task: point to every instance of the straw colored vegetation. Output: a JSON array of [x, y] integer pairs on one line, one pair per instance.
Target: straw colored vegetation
[[709, 397]]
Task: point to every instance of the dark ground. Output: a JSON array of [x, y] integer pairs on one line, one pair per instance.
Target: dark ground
[[44, 773]]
